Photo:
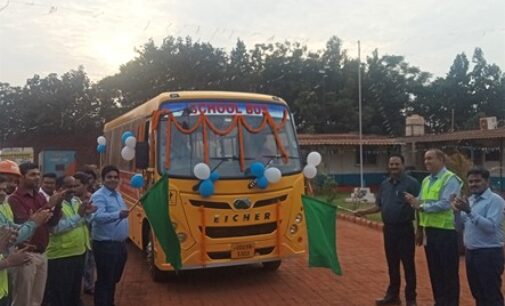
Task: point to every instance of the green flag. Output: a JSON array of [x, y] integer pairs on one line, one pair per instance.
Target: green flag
[[320, 218], [155, 203]]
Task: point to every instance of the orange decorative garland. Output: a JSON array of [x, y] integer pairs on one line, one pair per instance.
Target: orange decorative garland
[[239, 121]]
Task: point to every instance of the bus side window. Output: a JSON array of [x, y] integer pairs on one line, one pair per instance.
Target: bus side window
[[142, 158]]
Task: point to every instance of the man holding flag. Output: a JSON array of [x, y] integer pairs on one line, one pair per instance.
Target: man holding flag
[[399, 236], [109, 234]]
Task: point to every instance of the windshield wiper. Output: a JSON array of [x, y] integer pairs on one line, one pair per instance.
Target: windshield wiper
[[221, 161], [277, 156]]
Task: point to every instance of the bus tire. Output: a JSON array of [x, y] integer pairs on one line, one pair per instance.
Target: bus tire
[[157, 275], [146, 231], [271, 265]]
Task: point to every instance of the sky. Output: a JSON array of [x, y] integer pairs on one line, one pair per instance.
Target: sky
[[55, 36]]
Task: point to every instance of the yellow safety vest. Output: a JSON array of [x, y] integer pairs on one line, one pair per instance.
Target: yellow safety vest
[[72, 242], [442, 219], [4, 284], [5, 209]]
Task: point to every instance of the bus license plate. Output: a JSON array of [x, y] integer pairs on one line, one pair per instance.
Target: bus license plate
[[242, 250]]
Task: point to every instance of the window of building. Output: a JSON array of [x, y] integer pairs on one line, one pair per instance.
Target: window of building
[[493, 156], [477, 157], [369, 155]]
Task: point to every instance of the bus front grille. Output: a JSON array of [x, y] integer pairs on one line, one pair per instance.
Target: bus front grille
[[271, 201], [227, 254], [210, 204], [239, 231], [225, 205]]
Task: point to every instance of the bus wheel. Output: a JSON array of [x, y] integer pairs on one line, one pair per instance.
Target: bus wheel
[[271, 265], [157, 275]]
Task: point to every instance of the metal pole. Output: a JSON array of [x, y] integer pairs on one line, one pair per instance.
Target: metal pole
[[360, 123], [452, 120], [324, 91], [502, 185]]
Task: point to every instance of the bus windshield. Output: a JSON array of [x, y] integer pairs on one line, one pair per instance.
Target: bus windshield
[[223, 125]]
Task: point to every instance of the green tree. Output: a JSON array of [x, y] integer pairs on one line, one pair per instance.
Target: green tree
[[486, 86], [321, 88]]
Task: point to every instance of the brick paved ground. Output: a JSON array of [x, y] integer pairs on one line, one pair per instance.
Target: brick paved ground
[[361, 255]]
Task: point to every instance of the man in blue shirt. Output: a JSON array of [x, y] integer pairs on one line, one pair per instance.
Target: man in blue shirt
[[399, 238], [482, 219], [109, 233]]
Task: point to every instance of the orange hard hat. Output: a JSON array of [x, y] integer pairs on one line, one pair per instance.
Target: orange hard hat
[[9, 167]]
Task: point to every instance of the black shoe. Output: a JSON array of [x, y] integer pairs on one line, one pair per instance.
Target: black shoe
[[411, 303], [388, 300]]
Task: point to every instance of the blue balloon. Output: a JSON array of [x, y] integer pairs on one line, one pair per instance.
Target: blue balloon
[[206, 188], [100, 148], [137, 181], [262, 182], [124, 136], [257, 169], [214, 176]]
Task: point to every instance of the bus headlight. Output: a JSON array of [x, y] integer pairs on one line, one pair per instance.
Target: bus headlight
[[182, 236], [299, 218], [293, 229]]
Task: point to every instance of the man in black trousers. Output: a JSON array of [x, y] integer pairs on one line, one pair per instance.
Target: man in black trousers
[[109, 233], [436, 224], [399, 237]]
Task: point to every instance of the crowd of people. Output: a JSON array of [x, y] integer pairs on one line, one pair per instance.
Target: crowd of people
[[55, 232], [431, 214]]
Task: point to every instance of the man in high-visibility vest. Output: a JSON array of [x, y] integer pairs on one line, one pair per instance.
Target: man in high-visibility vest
[[67, 247], [436, 220], [18, 234], [10, 171], [16, 258]]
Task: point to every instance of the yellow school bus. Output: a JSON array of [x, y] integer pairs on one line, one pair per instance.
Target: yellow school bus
[[240, 222]]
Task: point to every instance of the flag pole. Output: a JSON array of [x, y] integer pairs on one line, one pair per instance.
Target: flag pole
[[134, 205], [360, 120]]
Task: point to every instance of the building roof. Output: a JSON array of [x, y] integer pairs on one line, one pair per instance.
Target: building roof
[[349, 139], [352, 139], [456, 136]]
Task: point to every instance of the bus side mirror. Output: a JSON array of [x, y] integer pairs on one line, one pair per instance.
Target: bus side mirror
[[142, 155]]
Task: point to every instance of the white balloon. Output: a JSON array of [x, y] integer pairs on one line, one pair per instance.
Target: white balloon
[[273, 175], [314, 159], [101, 140], [127, 153], [130, 142], [310, 171], [201, 171]]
